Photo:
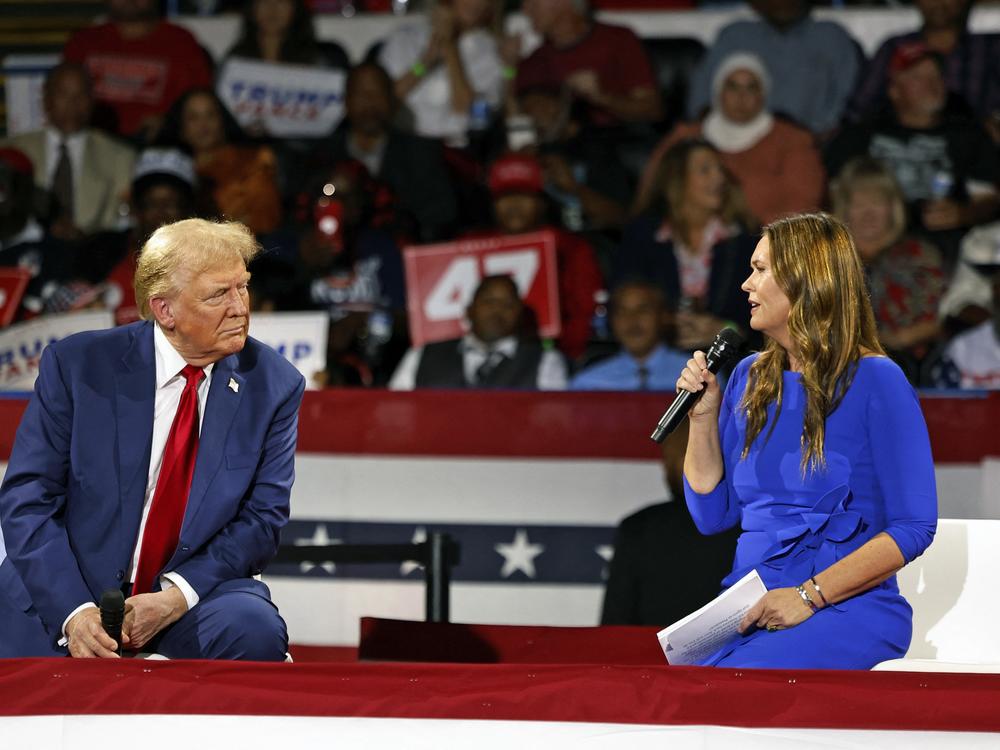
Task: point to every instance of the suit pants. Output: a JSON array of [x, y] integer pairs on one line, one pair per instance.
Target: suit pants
[[229, 623]]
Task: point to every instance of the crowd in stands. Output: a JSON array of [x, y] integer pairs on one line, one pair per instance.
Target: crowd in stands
[[452, 130]]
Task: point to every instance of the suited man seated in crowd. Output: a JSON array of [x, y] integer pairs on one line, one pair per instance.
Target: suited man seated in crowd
[[86, 171], [663, 568], [156, 458], [495, 353], [24, 242], [639, 319]]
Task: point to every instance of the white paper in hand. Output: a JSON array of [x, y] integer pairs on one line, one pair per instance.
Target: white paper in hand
[[703, 632]]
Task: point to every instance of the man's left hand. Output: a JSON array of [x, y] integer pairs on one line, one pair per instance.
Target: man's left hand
[[778, 609], [148, 614]]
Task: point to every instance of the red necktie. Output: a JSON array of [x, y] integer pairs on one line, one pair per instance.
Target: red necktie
[[166, 514]]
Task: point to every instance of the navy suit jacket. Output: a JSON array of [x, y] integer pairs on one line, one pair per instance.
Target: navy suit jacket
[[72, 498]]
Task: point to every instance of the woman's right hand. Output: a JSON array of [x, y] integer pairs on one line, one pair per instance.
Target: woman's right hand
[[696, 378]]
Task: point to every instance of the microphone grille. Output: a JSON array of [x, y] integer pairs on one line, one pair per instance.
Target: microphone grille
[[728, 338], [113, 604]]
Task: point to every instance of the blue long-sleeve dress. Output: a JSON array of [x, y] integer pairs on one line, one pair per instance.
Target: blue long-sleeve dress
[[879, 477]]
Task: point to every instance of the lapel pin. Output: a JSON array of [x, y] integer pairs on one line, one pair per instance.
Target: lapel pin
[[233, 385]]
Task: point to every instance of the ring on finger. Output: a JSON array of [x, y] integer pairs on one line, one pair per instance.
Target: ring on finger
[[772, 628]]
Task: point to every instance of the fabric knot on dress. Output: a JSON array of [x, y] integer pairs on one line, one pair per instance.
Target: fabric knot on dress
[[810, 542]]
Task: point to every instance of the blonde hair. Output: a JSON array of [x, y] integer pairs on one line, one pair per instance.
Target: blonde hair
[[830, 323], [179, 251], [865, 172]]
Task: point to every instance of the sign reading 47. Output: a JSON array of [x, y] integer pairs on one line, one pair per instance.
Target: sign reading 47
[[440, 281]]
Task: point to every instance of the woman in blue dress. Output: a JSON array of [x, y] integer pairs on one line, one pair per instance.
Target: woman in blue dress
[[818, 448]]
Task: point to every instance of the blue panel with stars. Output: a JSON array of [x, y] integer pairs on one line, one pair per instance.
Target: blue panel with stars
[[490, 553]]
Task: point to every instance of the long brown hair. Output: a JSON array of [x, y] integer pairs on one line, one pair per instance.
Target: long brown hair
[[670, 193], [830, 323]]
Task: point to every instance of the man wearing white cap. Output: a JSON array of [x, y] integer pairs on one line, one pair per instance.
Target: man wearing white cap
[[163, 186], [972, 359]]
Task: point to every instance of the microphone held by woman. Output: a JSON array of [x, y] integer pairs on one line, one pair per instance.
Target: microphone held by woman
[[726, 346]]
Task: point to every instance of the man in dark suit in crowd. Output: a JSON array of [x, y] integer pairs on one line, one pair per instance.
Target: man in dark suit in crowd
[[85, 171], [157, 458], [494, 354], [663, 568]]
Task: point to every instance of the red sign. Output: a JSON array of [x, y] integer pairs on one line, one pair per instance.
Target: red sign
[[440, 280], [13, 282], [120, 78]]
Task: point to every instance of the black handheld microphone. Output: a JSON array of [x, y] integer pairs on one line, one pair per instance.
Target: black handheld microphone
[[724, 348], [113, 614]]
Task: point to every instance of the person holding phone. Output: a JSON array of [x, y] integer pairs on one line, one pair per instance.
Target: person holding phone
[[351, 267]]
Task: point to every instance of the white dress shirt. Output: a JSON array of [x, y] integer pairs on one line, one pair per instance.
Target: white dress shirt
[[169, 387], [552, 375]]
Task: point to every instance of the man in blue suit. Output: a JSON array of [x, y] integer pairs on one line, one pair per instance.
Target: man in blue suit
[[156, 457]]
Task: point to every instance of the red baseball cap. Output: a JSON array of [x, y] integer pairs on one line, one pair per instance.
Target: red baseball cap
[[515, 173], [908, 54], [18, 161]]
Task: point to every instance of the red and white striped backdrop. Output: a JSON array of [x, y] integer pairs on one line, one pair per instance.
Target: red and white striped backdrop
[[535, 481]]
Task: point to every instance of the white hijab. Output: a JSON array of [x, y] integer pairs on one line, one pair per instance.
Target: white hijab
[[728, 136]]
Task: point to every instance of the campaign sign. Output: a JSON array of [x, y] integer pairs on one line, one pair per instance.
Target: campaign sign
[[13, 282], [128, 79], [21, 344], [440, 280], [24, 76], [299, 337], [294, 101]]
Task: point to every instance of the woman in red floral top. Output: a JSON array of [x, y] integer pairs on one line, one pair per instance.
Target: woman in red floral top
[[905, 274]]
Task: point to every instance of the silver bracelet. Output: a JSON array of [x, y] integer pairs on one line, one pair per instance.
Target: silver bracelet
[[805, 597]]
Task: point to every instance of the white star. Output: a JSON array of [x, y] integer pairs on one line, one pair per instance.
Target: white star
[[408, 566], [319, 538], [606, 552], [519, 555]]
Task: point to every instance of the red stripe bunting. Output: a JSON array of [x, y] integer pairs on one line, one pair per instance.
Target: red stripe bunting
[[619, 694], [543, 425]]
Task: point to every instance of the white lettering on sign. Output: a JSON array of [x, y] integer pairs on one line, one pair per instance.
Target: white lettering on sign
[[453, 292], [522, 265], [450, 296]]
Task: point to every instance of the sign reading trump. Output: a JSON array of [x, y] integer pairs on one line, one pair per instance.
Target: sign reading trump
[[440, 280], [21, 344], [293, 101]]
